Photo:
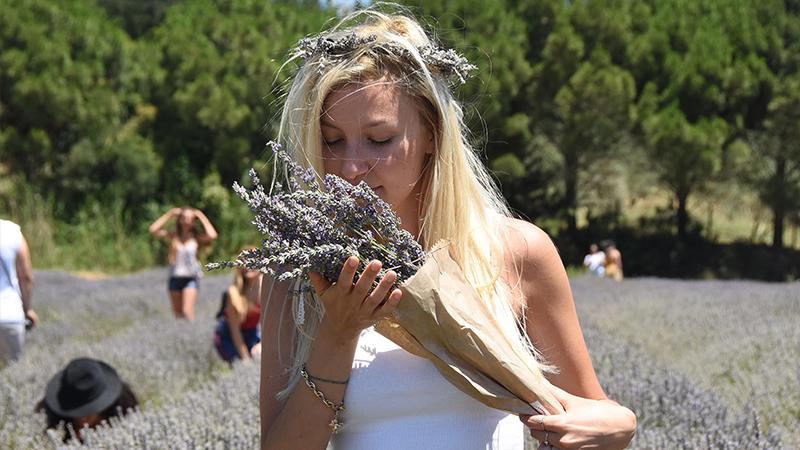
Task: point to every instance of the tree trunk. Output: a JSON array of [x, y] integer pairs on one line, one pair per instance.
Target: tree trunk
[[777, 228], [571, 191], [683, 214], [779, 204]]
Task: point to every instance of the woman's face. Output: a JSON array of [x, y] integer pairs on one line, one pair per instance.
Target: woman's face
[[249, 274], [374, 133], [90, 421], [186, 219]]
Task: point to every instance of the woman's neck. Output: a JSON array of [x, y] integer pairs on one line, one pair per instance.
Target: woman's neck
[[410, 214], [250, 290]]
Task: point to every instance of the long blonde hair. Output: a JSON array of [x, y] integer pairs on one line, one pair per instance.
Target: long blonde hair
[[460, 201], [236, 295]]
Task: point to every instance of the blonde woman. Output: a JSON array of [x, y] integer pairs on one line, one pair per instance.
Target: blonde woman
[[372, 102], [185, 243], [238, 332]]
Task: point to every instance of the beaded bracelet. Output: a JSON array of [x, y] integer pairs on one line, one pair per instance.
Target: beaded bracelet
[[325, 380], [337, 408]]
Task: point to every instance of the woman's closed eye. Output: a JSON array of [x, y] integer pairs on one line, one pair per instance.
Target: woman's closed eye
[[381, 141]]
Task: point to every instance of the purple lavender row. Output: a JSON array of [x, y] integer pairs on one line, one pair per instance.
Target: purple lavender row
[[186, 390]]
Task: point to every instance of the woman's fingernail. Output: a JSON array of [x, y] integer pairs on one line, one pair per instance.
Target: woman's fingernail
[[352, 261]]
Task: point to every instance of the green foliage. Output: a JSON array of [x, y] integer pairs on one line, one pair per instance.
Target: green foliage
[[111, 112], [219, 103], [137, 17], [72, 89], [583, 98]]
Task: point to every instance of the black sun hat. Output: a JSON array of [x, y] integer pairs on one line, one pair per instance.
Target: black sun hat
[[86, 386]]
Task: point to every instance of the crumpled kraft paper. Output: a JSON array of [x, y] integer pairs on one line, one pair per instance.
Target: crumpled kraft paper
[[442, 318]]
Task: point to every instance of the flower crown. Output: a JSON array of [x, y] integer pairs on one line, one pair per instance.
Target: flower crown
[[334, 46]]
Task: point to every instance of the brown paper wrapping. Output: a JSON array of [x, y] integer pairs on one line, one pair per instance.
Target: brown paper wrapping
[[442, 318]]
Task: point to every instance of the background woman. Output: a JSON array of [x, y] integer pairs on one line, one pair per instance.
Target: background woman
[[238, 332], [85, 393], [184, 244], [372, 104]]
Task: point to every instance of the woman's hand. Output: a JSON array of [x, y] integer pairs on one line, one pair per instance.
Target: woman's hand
[[595, 424], [350, 308], [33, 317]]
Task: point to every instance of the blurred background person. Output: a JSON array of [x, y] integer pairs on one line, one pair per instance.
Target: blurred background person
[[595, 261], [85, 393], [238, 332], [16, 284], [184, 245], [613, 260]]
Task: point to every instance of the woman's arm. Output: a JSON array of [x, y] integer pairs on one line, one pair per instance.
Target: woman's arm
[[234, 326], [552, 324], [25, 277], [209, 232], [157, 227], [302, 420]]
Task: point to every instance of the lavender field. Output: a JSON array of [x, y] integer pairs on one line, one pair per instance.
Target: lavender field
[[706, 365]]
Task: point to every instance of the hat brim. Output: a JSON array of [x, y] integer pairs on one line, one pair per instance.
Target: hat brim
[[96, 406]]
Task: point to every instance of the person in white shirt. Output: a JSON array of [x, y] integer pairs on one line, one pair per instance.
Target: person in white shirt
[[595, 261], [16, 284]]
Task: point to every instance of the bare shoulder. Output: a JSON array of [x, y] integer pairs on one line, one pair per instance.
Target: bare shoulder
[[534, 265], [529, 245]]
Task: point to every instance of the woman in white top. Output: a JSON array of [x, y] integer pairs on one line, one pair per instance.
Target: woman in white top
[[184, 243], [16, 284], [372, 103]]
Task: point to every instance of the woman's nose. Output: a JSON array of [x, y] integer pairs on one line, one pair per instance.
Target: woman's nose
[[354, 165]]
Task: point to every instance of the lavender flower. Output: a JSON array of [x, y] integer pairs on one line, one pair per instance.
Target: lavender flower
[[313, 227]]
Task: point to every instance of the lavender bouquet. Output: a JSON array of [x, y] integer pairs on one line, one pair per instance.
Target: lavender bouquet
[[309, 229], [312, 227]]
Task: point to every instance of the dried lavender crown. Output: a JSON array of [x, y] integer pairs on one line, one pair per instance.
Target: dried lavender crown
[[334, 46]]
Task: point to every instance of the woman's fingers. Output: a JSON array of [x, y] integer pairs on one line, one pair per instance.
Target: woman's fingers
[[545, 429], [565, 398], [374, 300], [345, 281], [547, 438], [319, 283], [367, 279], [390, 304]]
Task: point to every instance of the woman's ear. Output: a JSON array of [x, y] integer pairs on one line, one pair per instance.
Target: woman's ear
[[431, 141]]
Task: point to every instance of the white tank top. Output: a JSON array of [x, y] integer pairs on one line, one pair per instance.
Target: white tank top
[[186, 264], [396, 400], [10, 301]]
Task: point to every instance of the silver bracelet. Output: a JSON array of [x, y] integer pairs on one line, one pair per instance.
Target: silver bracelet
[[336, 423]]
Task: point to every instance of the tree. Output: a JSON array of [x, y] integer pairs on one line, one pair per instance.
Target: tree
[[774, 165], [74, 103], [581, 99], [496, 36], [699, 86], [137, 17], [683, 153], [220, 101]]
